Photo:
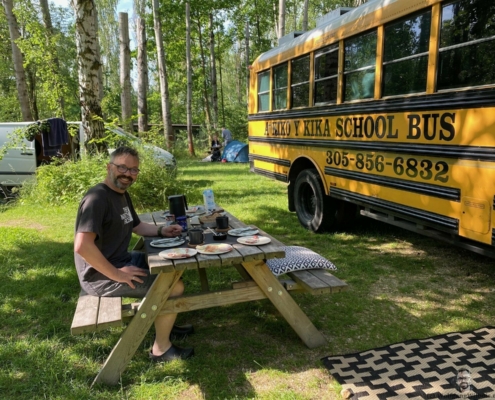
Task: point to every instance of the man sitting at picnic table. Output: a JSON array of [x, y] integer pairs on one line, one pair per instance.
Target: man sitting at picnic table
[[105, 222]]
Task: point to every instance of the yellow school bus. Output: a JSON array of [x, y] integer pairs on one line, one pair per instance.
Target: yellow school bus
[[387, 109]]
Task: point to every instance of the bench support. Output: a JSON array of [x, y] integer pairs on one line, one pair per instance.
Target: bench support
[[284, 303], [135, 332]]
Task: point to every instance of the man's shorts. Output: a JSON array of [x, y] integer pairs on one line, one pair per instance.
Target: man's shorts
[[109, 288]]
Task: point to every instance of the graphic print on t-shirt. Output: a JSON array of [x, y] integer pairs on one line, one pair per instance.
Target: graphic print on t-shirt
[[126, 217]]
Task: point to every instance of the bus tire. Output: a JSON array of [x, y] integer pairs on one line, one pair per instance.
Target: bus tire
[[311, 204], [317, 211]]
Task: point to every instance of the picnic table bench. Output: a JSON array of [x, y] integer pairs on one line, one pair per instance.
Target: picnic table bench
[[98, 313]]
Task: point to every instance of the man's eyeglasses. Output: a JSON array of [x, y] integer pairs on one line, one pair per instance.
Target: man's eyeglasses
[[123, 169]]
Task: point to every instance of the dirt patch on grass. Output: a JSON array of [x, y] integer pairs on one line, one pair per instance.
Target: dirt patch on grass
[[22, 223]]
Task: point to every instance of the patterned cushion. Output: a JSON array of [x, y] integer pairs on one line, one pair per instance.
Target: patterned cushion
[[297, 258]]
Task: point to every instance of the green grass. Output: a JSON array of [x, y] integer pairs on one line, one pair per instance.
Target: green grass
[[401, 286]]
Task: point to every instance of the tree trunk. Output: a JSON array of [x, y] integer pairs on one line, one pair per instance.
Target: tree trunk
[[142, 67], [238, 70], [54, 59], [20, 73], [213, 72], [305, 16], [248, 64], [162, 70], [89, 66], [189, 81], [205, 87], [98, 56], [125, 72], [222, 103], [281, 18]]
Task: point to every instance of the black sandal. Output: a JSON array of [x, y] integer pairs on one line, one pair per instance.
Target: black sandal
[[174, 353]]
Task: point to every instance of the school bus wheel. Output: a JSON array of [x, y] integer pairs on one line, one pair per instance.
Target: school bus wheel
[[311, 204], [316, 211]]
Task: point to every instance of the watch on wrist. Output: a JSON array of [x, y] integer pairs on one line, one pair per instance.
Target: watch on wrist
[[159, 231]]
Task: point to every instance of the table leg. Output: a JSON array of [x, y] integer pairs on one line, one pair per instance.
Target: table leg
[[135, 332], [284, 303]]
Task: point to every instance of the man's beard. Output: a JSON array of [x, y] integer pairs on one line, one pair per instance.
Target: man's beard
[[121, 185]]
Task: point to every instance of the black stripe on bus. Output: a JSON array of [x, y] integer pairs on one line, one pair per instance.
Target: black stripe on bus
[[430, 150], [424, 103], [400, 184], [493, 237], [271, 175], [397, 209], [15, 173], [277, 161]]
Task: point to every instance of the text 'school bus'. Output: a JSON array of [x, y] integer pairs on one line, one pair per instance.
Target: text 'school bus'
[[388, 109]]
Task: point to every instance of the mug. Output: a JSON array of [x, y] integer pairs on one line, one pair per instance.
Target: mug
[[196, 236], [222, 222]]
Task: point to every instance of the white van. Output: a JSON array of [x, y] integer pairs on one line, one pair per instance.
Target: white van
[[165, 158], [18, 164]]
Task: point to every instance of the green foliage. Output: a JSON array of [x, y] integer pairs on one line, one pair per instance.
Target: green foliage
[[154, 184], [65, 181]]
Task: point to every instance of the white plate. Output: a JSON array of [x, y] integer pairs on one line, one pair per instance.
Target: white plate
[[210, 249], [254, 240], [243, 232], [177, 254], [168, 244]]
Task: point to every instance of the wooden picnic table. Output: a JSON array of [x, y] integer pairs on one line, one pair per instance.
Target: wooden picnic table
[[258, 282]]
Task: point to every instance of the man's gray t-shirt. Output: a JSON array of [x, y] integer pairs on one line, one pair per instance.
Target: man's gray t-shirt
[[112, 217]]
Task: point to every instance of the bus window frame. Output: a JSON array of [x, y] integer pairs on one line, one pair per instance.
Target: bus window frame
[[454, 47], [426, 53], [307, 82], [266, 92], [281, 89], [332, 48], [371, 67]]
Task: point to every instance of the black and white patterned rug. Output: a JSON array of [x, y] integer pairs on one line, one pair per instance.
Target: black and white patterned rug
[[450, 366]]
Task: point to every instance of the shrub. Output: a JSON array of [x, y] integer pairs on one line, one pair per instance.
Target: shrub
[[65, 181]]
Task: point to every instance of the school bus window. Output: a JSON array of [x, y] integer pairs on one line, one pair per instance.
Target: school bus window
[[359, 70], [264, 91], [280, 82], [326, 73], [405, 58], [467, 44], [300, 82]]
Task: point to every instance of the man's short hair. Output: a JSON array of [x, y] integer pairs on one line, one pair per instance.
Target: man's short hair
[[124, 150]]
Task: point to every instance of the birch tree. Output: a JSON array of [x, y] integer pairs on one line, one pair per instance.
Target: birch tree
[[281, 18], [162, 71], [89, 65], [20, 73], [142, 71]]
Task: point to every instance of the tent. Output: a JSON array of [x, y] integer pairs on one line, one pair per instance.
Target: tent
[[236, 151]]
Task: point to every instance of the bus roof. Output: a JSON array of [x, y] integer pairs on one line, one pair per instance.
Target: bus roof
[[320, 36]]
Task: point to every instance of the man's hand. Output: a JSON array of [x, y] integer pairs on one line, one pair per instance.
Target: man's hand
[[172, 231], [129, 274]]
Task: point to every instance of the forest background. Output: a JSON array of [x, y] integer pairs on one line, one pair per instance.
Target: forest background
[[40, 57]]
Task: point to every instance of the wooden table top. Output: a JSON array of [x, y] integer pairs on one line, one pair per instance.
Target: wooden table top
[[240, 253]]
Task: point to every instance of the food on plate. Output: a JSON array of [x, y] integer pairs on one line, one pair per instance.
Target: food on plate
[[214, 248], [177, 255], [253, 239]]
